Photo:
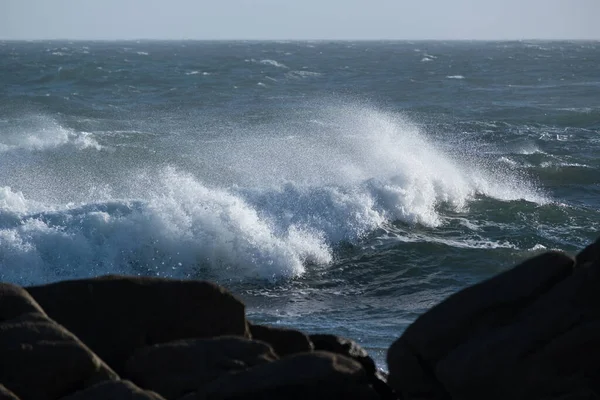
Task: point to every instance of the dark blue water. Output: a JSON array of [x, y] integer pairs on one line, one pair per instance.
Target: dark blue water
[[335, 186]]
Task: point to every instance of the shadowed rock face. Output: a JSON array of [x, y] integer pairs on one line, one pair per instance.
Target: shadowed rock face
[[284, 341], [531, 332], [114, 390], [16, 301], [193, 363], [351, 349], [116, 315], [317, 375], [6, 394], [39, 359]]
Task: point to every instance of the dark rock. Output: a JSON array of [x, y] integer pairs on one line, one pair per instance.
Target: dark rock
[[6, 394], [114, 390], [41, 360], [177, 368], [283, 340], [532, 332], [351, 349], [14, 301], [347, 347], [116, 315], [316, 375]]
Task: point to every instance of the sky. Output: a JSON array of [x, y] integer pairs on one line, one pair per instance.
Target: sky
[[300, 19]]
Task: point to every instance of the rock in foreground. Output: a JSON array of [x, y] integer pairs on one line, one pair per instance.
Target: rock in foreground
[[193, 363], [532, 332], [115, 315], [39, 359]]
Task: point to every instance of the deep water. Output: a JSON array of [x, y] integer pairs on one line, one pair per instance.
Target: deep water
[[335, 186]]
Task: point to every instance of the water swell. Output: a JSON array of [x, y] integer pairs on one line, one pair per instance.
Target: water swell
[[267, 202]]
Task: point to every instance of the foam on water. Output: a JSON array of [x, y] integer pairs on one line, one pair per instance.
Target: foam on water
[[42, 133], [266, 201], [273, 63]]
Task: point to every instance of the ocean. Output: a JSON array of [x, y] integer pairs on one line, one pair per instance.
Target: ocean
[[340, 187]]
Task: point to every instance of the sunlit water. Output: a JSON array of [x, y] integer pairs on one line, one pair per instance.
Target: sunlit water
[[335, 187]]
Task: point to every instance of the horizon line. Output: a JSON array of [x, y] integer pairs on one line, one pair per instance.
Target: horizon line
[[296, 40]]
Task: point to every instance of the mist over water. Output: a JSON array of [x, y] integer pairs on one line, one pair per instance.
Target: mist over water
[[257, 201], [339, 187]]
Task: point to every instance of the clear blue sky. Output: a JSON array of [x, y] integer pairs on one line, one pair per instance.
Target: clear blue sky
[[307, 19]]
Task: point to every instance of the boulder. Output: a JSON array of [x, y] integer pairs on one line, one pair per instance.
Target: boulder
[[351, 349], [6, 394], [177, 368], [316, 375], [40, 360], [114, 390], [347, 347], [531, 332], [116, 315], [14, 301], [284, 341]]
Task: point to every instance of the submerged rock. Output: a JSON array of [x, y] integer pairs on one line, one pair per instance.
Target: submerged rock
[[116, 315], [531, 332]]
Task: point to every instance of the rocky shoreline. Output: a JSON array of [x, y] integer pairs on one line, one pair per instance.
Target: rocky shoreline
[[532, 332]]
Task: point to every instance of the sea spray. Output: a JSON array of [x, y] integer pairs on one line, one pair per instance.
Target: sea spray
[[263, 201]]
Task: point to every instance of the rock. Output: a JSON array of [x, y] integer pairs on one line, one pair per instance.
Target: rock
[[351, 349], [193, 363], [283, 340], [40, 360], [6, 394], [531, 332], [116, 315], [114, 390], [316, 375], [14, 301], [347, 347]]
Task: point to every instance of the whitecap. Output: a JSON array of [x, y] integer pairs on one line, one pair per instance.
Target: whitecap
[[302, 74], [47, 134], [273, 63]]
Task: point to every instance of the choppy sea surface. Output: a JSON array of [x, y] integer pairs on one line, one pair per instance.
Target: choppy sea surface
[[338, 187]]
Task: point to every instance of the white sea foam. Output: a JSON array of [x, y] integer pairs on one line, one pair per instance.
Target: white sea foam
[[265, 202], [455, 77], [561, 164], [529, 149], [458, 243], [273, 63], [302, 74], [45, 133]]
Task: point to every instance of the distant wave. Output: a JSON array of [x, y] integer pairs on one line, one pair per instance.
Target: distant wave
[[273, 63], [44, 133]]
